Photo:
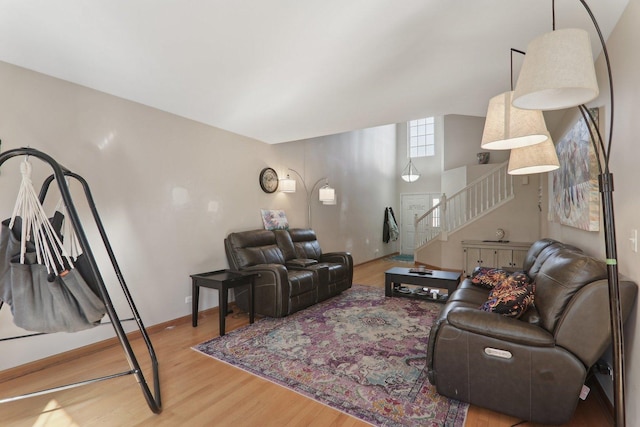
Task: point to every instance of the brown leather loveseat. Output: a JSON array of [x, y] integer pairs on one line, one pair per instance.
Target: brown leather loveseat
[[294, 273], [532, 367]]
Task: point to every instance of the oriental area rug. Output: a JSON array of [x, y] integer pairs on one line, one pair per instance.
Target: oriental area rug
[[360, 352]]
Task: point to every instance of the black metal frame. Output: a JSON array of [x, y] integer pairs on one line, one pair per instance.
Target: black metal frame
[[59, 174]]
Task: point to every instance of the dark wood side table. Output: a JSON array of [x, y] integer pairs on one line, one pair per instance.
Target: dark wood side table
[[222, 280]]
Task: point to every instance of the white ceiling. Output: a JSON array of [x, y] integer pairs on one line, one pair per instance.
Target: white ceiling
[[283, 70]]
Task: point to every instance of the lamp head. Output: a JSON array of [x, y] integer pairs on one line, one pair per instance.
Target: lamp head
[[508, 127], [557, 72], [287, 185], [537, 158]]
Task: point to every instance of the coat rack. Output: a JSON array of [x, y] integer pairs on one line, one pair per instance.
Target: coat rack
[[60, 174]]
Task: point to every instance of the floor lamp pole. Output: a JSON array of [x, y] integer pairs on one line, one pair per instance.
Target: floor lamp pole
[[606, 190], [308, 193], [605, 181]]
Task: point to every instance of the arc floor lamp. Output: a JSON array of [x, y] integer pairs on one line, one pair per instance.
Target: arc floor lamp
[[558, 72], [326, 194]]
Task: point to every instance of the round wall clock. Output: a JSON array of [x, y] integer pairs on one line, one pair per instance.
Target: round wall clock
[[268, 180]]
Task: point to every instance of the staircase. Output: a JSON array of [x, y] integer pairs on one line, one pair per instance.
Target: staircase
[[477, 199]]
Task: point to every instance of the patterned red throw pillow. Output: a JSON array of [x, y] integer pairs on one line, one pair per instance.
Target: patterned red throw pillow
[[512, 297], [488, 278]]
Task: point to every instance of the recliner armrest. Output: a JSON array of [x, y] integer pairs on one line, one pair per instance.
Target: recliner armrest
[[337, 257], [269, 273], [499, 327]]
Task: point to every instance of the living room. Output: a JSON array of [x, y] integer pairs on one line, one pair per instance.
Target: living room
[[170, 189]]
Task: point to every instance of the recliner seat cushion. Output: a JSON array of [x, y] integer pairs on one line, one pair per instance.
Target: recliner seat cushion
[[559, 278], [301, 282], [248, 248], [534, 251], [305, 243]]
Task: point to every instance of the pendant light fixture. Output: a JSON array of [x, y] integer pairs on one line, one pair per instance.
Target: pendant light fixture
[[410, 173]]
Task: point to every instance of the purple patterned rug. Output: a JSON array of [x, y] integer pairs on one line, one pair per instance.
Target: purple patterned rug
[[360, 352]]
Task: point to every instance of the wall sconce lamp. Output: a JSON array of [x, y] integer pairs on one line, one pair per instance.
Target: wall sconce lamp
[[410, 173], [558, 72], [326, 194]]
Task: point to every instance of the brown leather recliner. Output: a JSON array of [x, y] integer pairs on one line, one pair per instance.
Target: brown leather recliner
[[294, 273], [533, 367]]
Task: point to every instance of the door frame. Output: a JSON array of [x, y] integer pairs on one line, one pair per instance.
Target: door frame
[[402, 225]]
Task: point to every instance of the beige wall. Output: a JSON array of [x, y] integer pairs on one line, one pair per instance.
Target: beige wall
[[360, 165], [463, 135], [169, 190]]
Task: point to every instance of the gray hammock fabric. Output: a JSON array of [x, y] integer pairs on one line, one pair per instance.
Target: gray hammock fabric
[[66, 304], [40, 301]]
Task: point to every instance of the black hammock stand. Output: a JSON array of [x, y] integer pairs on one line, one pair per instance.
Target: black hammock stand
[[60, 174]]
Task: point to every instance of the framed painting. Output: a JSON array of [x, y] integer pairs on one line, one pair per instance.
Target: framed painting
[[274, 219], [576, 198]]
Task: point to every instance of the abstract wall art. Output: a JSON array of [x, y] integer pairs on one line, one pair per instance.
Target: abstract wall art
[[576, 198]]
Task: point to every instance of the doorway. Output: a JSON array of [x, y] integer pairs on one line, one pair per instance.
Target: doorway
[[411, 207]]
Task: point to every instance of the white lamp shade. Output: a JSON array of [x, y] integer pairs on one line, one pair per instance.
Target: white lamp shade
[[557, 72], [537, 158], [287, 185], [331, 202], [327, 194], [508, 127]]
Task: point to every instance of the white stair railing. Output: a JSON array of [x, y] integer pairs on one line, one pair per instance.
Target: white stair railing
[[475, 200]]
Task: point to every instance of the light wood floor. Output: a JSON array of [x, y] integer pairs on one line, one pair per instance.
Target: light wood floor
[[196, 390]]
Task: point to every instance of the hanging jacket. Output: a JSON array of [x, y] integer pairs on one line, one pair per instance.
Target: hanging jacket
[[385, 227], [394, 232]]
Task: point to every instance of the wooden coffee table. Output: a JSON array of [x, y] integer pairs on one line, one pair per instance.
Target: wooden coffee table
[[396, 277]]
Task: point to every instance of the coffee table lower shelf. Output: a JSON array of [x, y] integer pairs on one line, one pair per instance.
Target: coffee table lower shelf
[[396, 277]]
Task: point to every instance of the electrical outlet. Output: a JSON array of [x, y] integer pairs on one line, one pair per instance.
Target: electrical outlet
[[187, 300]]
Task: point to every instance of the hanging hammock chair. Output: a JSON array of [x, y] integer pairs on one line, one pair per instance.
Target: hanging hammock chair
[[38, 278], [64, 289]]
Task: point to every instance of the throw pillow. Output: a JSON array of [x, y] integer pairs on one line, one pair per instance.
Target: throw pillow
[[512, 297], [488, 278]]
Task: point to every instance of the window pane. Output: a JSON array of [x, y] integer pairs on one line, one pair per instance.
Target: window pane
[[421, 137], [429, 128]]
